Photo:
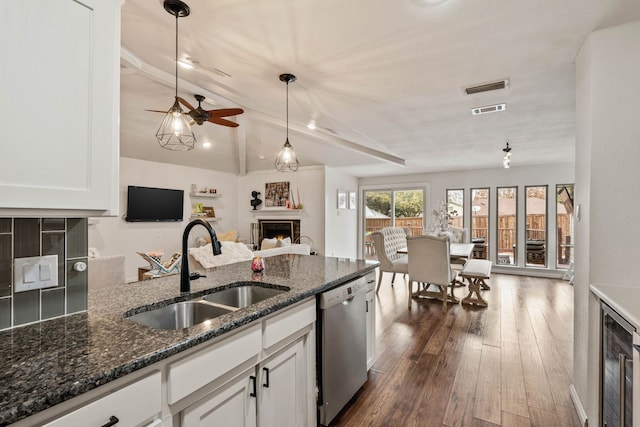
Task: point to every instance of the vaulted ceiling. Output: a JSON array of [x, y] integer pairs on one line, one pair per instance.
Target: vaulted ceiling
[[382, 79]]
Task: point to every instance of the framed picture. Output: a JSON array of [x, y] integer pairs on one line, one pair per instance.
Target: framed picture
[[352, 200], [276, 194], [342, 199], [211, 213]]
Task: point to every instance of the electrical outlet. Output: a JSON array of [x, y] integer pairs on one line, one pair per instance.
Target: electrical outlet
[[35, 273]]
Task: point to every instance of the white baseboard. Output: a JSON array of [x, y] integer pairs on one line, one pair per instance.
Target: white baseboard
[[578, 405]]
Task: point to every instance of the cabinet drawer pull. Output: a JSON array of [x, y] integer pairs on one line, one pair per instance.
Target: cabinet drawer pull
[[113, 420], [266, 377], [253, 386]]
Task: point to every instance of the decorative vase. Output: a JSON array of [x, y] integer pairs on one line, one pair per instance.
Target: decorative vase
[[257, 265]]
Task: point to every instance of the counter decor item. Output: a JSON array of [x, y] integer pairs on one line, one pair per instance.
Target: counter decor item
[[257, 265]]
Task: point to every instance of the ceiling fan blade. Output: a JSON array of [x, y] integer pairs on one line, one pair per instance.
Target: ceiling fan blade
[[157, 111], [223, 122], [185, 103], [224, 112]]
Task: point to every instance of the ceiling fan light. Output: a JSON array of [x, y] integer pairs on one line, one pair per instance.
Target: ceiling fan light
[[286, 161], [174, 132]]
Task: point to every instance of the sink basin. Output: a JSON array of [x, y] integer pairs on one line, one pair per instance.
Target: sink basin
[[242, 296], [179, 315]]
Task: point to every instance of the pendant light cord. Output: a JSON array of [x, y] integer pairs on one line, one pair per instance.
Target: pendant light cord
[[287, 111], [177, 54]]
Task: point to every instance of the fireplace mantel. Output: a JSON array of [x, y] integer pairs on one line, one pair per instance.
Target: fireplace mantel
[[276, 212]]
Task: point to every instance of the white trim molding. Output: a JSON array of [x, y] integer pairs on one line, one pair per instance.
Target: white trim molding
[[582, 415]]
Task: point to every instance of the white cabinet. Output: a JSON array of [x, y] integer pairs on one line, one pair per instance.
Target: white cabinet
[[278, 390], [371, 327], [137, 404], [60, 106], [283, 388], [231, 406]]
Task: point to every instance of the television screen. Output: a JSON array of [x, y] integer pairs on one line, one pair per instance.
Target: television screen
[[154, 204]]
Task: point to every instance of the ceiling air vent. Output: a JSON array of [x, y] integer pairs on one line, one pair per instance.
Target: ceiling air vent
[[488, 109], [486, 87]]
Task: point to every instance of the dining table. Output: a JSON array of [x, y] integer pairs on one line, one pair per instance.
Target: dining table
[[456, 250]]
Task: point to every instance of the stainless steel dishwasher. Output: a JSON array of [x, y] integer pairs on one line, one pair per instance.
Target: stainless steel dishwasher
[[342, 353]]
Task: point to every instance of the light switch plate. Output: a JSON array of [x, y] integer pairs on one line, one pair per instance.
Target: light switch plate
[[35, 273]]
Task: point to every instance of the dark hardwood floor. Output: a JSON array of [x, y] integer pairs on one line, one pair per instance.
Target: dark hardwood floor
[[505, 365]]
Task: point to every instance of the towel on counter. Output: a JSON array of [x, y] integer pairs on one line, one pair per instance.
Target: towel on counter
[[231, 252]]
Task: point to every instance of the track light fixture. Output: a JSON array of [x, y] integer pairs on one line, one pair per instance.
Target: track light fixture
[[286, 161], [506, 160]]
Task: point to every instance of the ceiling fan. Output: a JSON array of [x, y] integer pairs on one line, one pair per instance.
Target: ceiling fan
[[199, 115]]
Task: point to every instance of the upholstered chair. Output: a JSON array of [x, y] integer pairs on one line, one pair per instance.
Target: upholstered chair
[[387, 241], [429, 265]]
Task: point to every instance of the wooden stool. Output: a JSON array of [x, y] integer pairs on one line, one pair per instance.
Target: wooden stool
[[476, 271]]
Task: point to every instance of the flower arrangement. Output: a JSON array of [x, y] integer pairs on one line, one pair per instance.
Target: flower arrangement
[[440, 218]]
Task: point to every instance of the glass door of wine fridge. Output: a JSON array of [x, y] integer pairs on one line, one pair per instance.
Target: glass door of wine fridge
[[617, 370]]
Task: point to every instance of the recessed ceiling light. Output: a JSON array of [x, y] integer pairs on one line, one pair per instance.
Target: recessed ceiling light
[[185, 64], [206, 144], [311, 124], [488, 109]]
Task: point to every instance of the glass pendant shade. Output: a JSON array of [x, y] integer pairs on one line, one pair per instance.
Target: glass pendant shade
[[175, 132], [286, 161]]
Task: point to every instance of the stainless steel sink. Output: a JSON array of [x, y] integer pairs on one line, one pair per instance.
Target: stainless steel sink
[[242, 296], [179, 315]]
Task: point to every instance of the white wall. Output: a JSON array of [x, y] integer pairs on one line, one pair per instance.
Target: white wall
[[308, 182], [341, 225], [606, 187], [114, 236], [438, 183]]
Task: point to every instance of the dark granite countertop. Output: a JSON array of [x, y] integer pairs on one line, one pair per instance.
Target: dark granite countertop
[[47, 363]]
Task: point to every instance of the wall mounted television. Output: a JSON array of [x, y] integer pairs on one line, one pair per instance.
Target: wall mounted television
[[146, 204]]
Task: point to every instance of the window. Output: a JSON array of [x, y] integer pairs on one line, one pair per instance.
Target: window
[[480, 221], [455, 207], [536, 225], [507, 225], [564, 225]]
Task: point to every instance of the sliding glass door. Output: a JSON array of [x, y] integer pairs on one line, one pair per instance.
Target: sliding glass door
[[391, 208]]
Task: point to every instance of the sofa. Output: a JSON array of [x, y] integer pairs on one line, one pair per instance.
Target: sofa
[[202, 256]]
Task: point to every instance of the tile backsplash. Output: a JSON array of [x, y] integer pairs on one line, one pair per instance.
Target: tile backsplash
[[27, 237]]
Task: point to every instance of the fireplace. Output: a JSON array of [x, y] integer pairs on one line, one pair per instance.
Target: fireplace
[[280, 228]]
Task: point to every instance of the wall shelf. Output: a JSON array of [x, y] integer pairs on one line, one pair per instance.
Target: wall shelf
[[206, 218], [205, 195]]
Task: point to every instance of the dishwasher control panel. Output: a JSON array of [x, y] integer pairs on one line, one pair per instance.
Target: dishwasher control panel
[[343, 292]]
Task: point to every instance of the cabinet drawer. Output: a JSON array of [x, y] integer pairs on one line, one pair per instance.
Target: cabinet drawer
[[132, 405], [195, 371], [279, 327]]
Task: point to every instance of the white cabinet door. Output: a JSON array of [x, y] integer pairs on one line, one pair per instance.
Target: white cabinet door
[[283, 386], [60, 93], [231, 405], [371, 328]]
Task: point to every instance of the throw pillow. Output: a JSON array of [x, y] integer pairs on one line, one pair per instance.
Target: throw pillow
[[229, 236], [281, 243], [268, 244]]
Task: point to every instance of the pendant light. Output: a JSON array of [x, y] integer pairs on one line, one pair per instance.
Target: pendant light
[[287, 160], [506, 160], [175, 132]]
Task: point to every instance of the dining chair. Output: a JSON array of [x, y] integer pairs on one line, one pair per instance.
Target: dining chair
[[429, 265], [387, 241]]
